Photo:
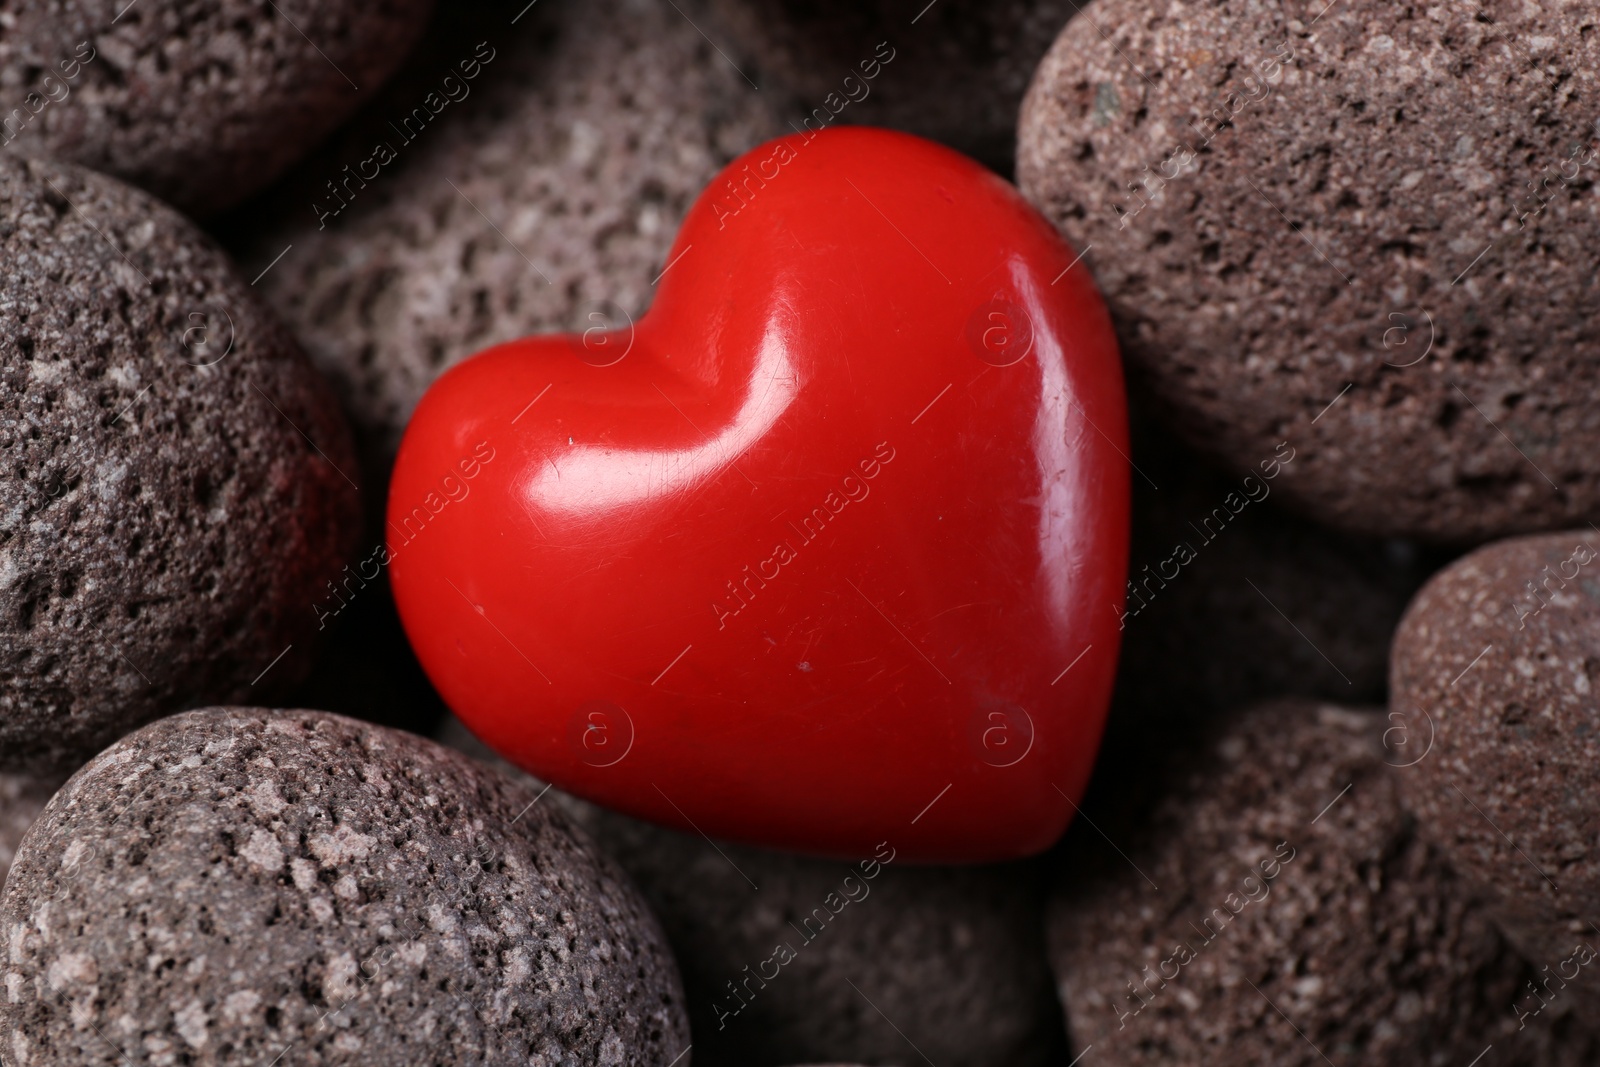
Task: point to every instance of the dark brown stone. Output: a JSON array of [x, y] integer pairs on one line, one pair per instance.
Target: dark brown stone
[[550, 193], [942, 962], [176, 487], [1233, 599], [201, 103], [889, 964], [1303, 264]]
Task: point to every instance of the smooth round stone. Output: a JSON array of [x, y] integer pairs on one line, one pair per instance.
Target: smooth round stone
[[1498, 662], [1313, 225], [201, 103], [236, 885], [179, 482], [1272, 903]]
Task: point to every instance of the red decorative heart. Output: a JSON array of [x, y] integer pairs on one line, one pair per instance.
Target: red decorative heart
[[827, 550]]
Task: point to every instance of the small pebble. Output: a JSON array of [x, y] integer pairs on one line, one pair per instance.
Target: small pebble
[[545, 199], [867, 960], [952, 71], [1232, 599]]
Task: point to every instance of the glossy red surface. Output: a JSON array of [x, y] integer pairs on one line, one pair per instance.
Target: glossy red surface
[[827, 550]]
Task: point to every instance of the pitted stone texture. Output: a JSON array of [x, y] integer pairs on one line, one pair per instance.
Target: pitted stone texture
[[1278, 856], [202, 102], [231, 883], [550, 194], [1500, 656], [958, 72], [1311, 240], [175, 493]]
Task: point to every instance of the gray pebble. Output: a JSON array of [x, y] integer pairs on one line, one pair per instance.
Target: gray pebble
[[201, 102], [178, 481], [235, 885], [952, 71], [865, 960], [1233, 599], [1384, 205]]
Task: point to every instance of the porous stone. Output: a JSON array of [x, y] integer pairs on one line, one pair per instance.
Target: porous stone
[[955, 72], [233, 885], [1498, 660], [1272, 904], [869, 961], [21, 800], [201, 103], [177, 482], [544, 199], [1368, 230]]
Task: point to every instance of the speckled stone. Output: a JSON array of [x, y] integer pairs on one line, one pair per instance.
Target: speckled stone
[[21, 800], [233, 885], [950, 959], [957, 73], [550, 193], [1287, 205], [1273, 905], [1500, 653], [202, 102], [175, 492]]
